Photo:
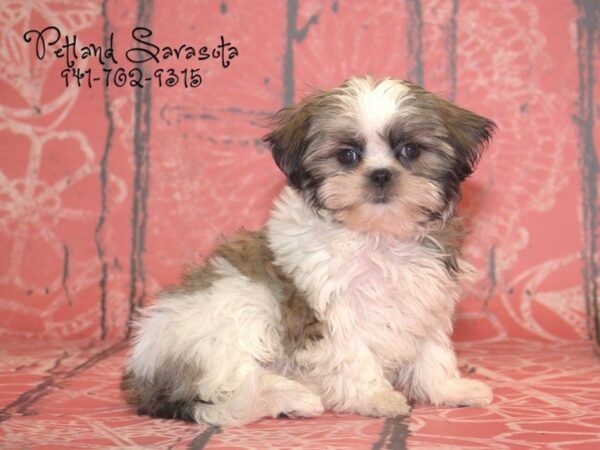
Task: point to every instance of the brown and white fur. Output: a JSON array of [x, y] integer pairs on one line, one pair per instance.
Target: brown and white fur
[[345, 300]]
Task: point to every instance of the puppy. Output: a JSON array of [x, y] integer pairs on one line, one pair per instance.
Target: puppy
[[344, 301]]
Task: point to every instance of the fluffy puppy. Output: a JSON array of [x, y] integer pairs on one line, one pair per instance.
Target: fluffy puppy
[[344, 301]]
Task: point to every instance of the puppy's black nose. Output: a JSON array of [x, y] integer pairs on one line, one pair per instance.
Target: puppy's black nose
[[381, 177]]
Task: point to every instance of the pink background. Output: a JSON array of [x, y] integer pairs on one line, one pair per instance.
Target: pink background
[[106, 192]]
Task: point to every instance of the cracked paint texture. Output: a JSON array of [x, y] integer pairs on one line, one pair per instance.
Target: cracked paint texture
[[121, 186]]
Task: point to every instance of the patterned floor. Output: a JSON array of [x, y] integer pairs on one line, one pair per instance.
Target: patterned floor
[[546, 397]]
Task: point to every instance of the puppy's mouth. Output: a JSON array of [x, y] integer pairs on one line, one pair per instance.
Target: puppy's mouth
[[380, 197]]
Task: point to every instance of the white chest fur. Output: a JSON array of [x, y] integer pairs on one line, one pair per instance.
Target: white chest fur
[[389, 293]]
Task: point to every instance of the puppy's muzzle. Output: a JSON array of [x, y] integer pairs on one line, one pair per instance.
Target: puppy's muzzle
[[381, 177]]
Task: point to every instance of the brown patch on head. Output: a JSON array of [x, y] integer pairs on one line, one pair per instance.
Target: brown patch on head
[[290, 137], [466, 132], [375, 121]]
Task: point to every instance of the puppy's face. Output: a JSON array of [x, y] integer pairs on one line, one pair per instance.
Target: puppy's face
[[379, 156]]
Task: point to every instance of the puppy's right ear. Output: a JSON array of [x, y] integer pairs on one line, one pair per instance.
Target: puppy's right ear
[[290, 138]]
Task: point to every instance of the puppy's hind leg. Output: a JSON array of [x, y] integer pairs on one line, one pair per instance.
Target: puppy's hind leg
[[288, 397], [262, 394]]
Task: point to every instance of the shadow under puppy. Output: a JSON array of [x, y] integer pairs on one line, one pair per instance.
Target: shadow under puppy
[[344, 301]]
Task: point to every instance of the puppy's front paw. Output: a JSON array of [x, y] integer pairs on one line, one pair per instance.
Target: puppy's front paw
[[465, 392], [386, 403]]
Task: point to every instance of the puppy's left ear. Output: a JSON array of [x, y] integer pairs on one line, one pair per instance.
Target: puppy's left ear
[[290, 137], [468, 133]]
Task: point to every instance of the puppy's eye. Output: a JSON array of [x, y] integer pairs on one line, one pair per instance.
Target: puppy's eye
[[348, 157], [410, 151]]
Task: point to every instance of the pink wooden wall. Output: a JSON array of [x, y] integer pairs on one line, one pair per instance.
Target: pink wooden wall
[[106, 191]]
